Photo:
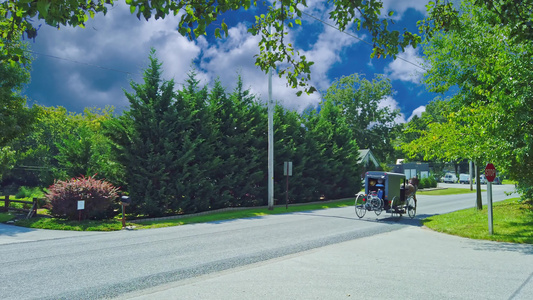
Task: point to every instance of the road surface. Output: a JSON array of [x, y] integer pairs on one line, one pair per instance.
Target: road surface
[[68, 265]]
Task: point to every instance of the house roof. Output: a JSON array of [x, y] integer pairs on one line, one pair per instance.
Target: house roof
[[366, 156]]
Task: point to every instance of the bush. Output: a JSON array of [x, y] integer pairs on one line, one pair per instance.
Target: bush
[[432, 182], [63, 197], [27, 192], [424, 183]]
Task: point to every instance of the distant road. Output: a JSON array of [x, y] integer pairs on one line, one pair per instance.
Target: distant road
[[43, 264]]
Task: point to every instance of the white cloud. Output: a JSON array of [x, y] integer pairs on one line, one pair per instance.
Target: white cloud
[[400, 6], [406, 67], [113, 49], [417, 112], [326, 52], [98, 61], [390, 102]]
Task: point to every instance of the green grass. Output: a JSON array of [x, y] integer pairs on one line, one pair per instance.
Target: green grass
[[116, 224], [244, 213], [59, 224], [448, 191], [512, 222], [4, 217]]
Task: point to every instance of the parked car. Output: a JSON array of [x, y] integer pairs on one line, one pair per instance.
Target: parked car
[[449, 178], [464, 178], [483, 180]]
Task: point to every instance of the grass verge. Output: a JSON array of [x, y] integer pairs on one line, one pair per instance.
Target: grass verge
[[116, 224], [448, 191], [512, 222], [60, 224], [4, 217], [240, 214]]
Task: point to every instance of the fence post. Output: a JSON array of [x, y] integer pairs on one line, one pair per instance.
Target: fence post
[[6, 204], [34, 207]]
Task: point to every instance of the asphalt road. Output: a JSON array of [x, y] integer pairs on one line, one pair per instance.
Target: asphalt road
[[250, 257]]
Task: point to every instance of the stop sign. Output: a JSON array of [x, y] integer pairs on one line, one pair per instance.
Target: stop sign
[[490, 172]]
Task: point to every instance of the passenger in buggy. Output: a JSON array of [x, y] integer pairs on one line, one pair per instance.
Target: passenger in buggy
[[411, 188]]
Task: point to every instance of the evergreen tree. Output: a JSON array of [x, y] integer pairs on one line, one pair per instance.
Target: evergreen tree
[[332, 153], [197, 187], [147, 138], [241, 147]]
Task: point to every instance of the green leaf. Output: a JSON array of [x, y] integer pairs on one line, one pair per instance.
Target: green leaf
[[225, 28], [43, 7]]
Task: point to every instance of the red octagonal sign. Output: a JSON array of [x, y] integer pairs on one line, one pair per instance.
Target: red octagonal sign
[[490, 172]]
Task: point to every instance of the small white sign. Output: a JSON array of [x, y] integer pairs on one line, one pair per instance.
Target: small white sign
[[287, 168], [81, 204]]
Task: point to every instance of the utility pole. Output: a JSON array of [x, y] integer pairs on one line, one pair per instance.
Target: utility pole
[[270, 140]]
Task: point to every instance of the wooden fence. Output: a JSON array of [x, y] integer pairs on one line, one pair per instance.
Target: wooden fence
[[31, 212]]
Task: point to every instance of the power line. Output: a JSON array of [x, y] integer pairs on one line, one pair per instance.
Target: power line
[[133, 74], [81, 63], [90, 64], [358, 38]]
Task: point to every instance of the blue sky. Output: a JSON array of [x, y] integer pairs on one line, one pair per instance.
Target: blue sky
[[78, 68]]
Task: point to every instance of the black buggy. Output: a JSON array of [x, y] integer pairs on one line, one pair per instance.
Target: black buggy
[[385, 191]]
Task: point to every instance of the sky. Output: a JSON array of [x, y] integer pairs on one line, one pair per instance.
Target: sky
[[92, 66]]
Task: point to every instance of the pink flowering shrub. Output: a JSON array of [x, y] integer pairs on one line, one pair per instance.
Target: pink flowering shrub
[[63, 197]]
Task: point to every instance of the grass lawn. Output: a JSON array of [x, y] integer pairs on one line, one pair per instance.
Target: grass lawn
[[116, 224], [447, 191], [4, 217], [512, 222], [244, 213]]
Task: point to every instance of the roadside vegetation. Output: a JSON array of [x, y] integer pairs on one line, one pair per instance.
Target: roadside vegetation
[[116, 223], [512, 222], [448, 191]]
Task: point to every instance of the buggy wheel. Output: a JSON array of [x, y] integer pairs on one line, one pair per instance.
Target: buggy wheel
[[360, 208], [411, 207], [392, 208], [379, 207]]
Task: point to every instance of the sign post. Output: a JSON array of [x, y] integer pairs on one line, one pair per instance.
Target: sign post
[[490, 175], [81, 206], [287, 171]]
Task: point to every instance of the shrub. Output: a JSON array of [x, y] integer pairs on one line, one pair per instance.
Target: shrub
[[27, 192], [63, 197], [432, 182], [424, 183]]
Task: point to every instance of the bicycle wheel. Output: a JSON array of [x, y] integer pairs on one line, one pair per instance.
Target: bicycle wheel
[[411, 207], [360, 208]]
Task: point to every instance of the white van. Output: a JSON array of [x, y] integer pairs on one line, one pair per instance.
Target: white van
[[449, 178], [464, 178]]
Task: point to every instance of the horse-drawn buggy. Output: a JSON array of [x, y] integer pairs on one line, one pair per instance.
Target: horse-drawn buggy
[[388, 192]]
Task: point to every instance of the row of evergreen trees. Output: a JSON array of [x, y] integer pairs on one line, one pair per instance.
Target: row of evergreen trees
[[191, 149], [199, 149]]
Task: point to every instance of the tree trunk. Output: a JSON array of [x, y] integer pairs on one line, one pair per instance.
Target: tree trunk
[[479, 203]]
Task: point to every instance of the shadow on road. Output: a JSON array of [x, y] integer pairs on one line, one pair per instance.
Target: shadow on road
[[383, 218], [503, 246], [11, 230]]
